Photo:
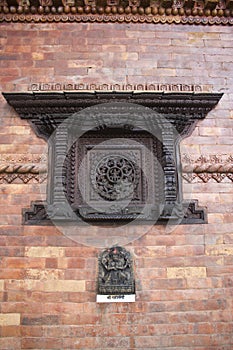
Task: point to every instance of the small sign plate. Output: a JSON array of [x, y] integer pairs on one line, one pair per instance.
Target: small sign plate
[[118, 298]]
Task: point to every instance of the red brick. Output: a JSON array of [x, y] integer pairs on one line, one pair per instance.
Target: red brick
[[14, 262], [194, 250], [12, 251], [51, 262], [81, 297], [11, 331], [195, 340], [81, 251], [32, 331], [165, 284], [204, 328], [80, 273], [12, 274], [41, 343], [10, 343], [80, 343], [39, 319], [176, 313]]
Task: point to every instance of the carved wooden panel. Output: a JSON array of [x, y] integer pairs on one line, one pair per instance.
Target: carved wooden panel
[[109, 168]]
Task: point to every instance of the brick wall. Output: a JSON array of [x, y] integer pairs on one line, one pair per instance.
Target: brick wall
[[183, 275]]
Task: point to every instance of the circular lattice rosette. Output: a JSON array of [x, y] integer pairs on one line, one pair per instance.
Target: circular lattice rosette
[[116, 178]]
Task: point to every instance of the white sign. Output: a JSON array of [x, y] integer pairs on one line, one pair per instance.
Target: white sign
[[119, 298]]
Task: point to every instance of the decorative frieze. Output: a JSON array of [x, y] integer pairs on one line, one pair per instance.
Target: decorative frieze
[[22, 173], [20, 168], [18, 158], [15, 169], [205, 168], [153, 11], [118, 87]]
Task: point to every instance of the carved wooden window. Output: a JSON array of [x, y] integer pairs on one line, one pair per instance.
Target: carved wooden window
[[115, 156], [115, 174]]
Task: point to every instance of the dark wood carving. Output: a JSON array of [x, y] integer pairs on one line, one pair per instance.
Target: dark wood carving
[[154, 87], [117, 171], [115, 174], [115, 272], [154, 11], [47, 110]]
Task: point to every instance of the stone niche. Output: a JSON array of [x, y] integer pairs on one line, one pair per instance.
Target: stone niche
[[114, 156]]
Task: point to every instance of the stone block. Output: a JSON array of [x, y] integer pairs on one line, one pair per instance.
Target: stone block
[[220, 249], [11, 319], [45, 252]]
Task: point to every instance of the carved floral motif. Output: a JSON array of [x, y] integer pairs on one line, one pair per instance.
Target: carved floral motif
[[115, 177], [112, 2]]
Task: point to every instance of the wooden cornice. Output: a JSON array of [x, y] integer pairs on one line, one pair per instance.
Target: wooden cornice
[[49, 109], [149, 11]]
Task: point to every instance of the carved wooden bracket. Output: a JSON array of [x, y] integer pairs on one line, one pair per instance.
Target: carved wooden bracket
[[76, 124]]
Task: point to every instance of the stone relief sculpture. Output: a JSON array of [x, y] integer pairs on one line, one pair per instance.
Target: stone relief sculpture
[[115, 272]]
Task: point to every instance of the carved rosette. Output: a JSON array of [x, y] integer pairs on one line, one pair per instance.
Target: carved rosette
[[115, 177]]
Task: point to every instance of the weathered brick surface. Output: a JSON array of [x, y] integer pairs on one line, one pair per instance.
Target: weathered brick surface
[[183, 274]]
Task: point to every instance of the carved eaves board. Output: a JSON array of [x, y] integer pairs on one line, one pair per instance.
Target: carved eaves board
[[142, 11]]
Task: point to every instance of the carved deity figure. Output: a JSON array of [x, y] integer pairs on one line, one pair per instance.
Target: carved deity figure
[[115, 261], [115, 270]]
